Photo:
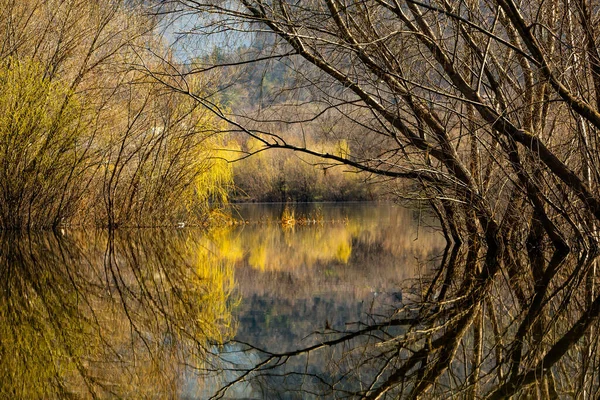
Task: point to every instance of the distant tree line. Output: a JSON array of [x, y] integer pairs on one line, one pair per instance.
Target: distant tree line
[[277, 175]]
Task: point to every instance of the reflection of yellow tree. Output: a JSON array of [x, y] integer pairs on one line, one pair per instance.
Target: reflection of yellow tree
[[110, 315], [213, 283], [271, 247], [283, 249]]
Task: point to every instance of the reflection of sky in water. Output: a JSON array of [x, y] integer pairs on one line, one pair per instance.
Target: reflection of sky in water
[[197, 385]]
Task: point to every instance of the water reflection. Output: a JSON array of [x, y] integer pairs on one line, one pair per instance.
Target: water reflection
[[304, 284], [108, 315], [149, 313], [487, 322], [348, 307]]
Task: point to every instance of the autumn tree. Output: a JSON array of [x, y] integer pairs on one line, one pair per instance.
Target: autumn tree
[[87, 139]]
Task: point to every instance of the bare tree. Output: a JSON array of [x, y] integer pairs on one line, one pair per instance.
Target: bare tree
[[492, 109]]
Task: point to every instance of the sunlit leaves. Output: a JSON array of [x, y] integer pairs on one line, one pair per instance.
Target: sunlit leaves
[[86, 137], [39, 132]]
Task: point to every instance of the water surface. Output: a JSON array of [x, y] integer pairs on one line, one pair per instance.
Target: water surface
[[294, 280], [145, 313]]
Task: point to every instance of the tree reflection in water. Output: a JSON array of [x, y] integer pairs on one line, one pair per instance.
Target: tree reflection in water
[[127, 314], [148, 313], [488, 322]]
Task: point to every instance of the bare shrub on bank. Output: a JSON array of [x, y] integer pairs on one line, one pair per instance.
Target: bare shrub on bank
[[84, 138]]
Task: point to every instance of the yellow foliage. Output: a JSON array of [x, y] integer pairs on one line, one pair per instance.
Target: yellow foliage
[[343, 252], [258, 256], [85, 138], [216, 181], [131, 310], [226, 245], [342, 149], [40, 137], [216, 282]]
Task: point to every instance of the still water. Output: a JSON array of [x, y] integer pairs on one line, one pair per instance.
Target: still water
[[179, 312]]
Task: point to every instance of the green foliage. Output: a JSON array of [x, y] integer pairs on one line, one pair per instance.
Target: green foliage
[[40, 134]]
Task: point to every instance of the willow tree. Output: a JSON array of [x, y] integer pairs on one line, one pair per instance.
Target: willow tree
[[86, 139], [492, 109]]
